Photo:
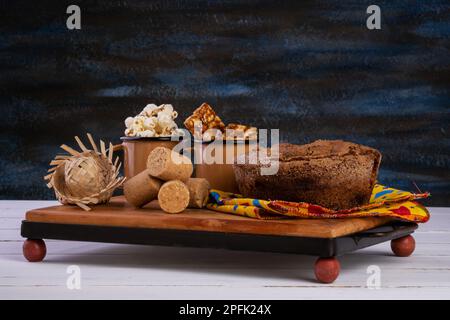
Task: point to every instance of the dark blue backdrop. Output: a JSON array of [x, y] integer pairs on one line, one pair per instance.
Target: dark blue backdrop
[[310, 68]]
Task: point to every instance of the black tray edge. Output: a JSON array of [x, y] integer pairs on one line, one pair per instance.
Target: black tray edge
[[322, 247]]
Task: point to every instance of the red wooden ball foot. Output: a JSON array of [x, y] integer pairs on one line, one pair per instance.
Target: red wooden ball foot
[[327, 269], [34, 250], [404, 246]]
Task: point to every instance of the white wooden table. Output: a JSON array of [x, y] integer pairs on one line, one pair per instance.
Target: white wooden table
[[149, 272]]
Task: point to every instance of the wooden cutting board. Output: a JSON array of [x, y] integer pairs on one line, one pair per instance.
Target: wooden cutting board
[[119, 213]]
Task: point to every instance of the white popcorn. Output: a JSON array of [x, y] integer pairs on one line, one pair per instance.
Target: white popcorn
[[138, 123], [129, 122], [153, 121], [164, 119], [130, 133], [150, 123], [166, 131], [147, 133], [167, 108], [148, 110]]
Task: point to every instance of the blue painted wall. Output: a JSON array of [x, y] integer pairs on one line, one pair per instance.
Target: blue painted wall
[[311, 68]]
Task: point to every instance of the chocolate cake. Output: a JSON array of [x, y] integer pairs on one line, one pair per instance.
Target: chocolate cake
[[332, 173]]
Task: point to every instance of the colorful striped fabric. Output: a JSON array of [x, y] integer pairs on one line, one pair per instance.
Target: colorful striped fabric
[[384, 202]]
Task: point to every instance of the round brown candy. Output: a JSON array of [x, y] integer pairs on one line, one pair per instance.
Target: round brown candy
[[173, 197]]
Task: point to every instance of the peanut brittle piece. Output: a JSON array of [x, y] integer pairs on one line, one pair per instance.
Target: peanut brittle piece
[[237, 126], [208, 118], [240, 131]]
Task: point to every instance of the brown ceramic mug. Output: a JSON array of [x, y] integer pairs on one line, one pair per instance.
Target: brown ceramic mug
[[221, 175]]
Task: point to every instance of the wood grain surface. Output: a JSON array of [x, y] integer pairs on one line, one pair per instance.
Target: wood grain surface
[[120, 213]]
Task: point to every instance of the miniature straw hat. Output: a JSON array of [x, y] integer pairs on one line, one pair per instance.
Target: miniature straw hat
[[84, 177]]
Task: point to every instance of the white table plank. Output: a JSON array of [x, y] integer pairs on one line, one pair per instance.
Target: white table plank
[[151, 272], [226, 293]]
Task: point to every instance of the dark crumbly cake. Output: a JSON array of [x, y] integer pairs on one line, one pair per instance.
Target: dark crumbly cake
[[332, 173]]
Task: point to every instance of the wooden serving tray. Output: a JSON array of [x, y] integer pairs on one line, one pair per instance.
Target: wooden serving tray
[[119, 213], [118, 222]]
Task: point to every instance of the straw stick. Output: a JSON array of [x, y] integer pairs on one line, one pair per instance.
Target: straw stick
[[91, 140], [69, 150], [61, 157], [81, 144], [56, 162], [110, 155], [103, 147], [83, 206]]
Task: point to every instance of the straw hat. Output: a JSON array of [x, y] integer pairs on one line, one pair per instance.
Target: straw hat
[[84, 177]]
